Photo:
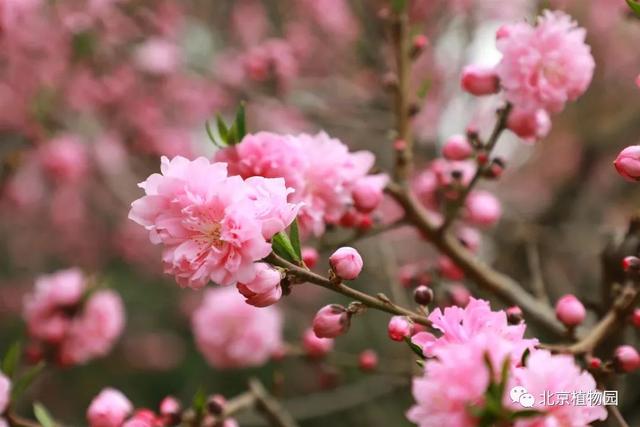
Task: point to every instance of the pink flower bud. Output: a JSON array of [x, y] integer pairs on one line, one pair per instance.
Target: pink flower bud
[[108, 409], [459, 295], [529, 125], [399, 328], [638, 80], [483, 209], [310, 256], [514, 315], [5, 392], [170, 407], [570, 311], [367, 192], [594, 362], [265, 288], [628, 163], [449, 269], [635, 318], [368, 360], [346, 263], [457, 148], [479, 80], [331, 321], [503, 32], [142, 418], [627, 358], [315, 346]]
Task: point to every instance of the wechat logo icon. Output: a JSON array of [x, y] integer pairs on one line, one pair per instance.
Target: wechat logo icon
[[519, 394]]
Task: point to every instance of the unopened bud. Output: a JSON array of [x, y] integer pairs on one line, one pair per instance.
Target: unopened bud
[[215, 404], [423, 295], [631, 263], [420, 41], [514, 315], [368, 360]]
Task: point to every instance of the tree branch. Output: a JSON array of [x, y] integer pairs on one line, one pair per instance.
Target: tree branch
[[379, 302], [269, 406]]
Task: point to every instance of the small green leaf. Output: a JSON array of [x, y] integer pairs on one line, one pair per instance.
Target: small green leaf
[[398, 5], [199, 401], [294, 235], [42, 415], [25, 380], [233, 135], [11, 359], [282, 246], [211, 136], [635, 7], [414, 347], [241, 122], [504, 377], [223, 131], [83, 45]]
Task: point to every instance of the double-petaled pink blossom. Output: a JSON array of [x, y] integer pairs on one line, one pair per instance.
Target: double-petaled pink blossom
[[213, 226]]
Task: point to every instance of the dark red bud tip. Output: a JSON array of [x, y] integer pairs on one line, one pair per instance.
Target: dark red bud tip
[[514, 315], [594, 362], [482, 159], [630, 263], [423, 295]]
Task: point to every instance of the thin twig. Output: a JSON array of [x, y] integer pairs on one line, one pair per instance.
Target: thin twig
[[617, 416], [535, 268], [269, 406], [16, 420], [401, 48], [379, 302], [500, 126]]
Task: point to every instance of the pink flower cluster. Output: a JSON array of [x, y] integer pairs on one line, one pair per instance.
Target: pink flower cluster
[[456, 375], [64, 316], [213, 226], [332, 184], [232, 334]]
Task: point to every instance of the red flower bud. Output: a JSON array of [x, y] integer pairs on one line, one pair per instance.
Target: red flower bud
[[627, 358], [479, 80], [368, 360], [331, 321], [399, 327], [570, 311]]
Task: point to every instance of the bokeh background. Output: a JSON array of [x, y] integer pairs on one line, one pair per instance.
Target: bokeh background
[[131, 80]]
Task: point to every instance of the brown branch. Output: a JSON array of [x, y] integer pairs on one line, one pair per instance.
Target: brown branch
[[500, 126], [486, 277], [269, 406], [16, 420], [379, 302], [615, 318], [401, 48], [617, 416]]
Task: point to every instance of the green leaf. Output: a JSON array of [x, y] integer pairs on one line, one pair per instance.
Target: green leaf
[[83, 45], [414, 347], [398, 5], [25, 380], [11, 359], [199, 401], [42, 415], [233, 135], [211, 136], [282, 246], [241, 122], [503, 377], [223, 131], [294, 236], [635, 7]]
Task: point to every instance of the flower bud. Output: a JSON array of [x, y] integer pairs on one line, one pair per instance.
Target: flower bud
[[635, 318], [449, 269], [108, 409], [483, 209], [142, 418], [479, 80], [331, 321], [346, 263], [495, 169], [594, 362], [638, 81], [265, 288], [570, 311], [529, 125], [420, 41], [459, 295], [457, 147], [170, 409], [514, 315], [215, 404], [628, 163], [399, 328], [626, 358], [423, 295], [310, 256], [630, 263], [367, 192], [315, 346], [368, 360]]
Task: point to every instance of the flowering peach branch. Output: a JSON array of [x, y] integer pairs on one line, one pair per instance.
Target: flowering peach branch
[[379, 302]]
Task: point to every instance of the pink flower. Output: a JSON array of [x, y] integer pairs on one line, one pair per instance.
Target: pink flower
[[213, 226], [43, 309], [628, 163], [368, 192], [459, 325], [399, 328], [544, 66], [456, 380], [264, 289], [94, 333], [5, 392], [109, 409], [483, 208], [346, 263], [331, 321], [570, 311], [627, 358], [457, 148], [530, 125], [65, 158], [479, 80], [549, 374], [157, 56], [232, 334], [315, 346]]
